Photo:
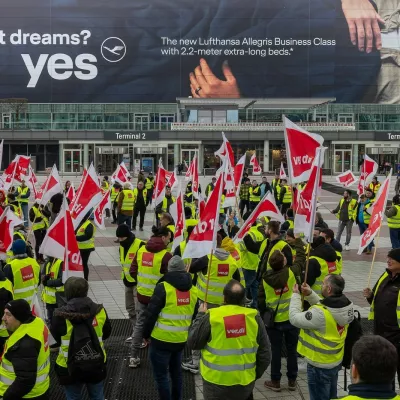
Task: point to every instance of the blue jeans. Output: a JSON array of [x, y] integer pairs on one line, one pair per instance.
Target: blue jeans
[[95, 390], [125, 219], [25, 213], [167, 364], [251, 285], [395, 237], [363, 227], [322, 383]]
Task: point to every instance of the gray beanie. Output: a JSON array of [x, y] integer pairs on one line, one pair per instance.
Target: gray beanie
[[176, 264]]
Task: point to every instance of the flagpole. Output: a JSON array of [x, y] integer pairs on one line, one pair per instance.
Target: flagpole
[[373, 257], [208, 276], [66, 267]]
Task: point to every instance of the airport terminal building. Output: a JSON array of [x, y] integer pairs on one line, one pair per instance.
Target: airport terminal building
[[73, 135]]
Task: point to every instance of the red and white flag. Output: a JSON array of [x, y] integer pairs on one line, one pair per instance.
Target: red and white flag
[[369, 169], [16, 171], [346, 179], [225, 151], [229, 186], [70, 193], [31, 181], [177, 211], [202, 240], [60, 242], [282, 173], [265, 208], [172, 178], [195, 177], [159, 189], [50, 187], [99, 211], [256, 166], [121, 174], [377, 212], [301, 147], [87, 197], [202, 205], [304, 220], [1, 151], [37, 311], [8, 220], [189, 171], [238, 173]]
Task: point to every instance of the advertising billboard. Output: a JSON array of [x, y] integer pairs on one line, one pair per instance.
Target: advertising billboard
[[97, 51]]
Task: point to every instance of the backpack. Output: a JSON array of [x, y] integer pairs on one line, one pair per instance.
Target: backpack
[[85, 355], [354, 333]]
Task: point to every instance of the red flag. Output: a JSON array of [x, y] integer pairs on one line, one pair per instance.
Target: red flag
[[229, 186], [307, 200], [195, 178], [282, 173], [202, 205], [120, 175], [87, 197], [177, 211], [22, 170], [189, 172], [368, 171], [226, 150], [346, 179], [301, 147], [60, 242], [50, 187], [265, 208], [238, 173], [70, 193], [159, 189], [31, 181], [377, 213], [256, 166], [8, 220], [203, 237], [9, 174], [99, 211], [172, 178]]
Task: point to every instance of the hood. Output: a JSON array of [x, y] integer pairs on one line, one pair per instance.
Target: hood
[[341, 308], [277, 279], [326, 252], [336, 245], [127, 242], [179, 280], [221, 254], [78, 309], [155, 244]]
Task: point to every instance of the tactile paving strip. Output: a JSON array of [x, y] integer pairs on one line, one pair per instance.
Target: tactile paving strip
[[122, 382]]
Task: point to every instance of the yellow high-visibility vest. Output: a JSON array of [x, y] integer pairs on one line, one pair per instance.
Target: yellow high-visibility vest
[[22, 192], [127, 261], [128, 201], [394, 222], [43, 224], [87, 244], [326, 269], [49, 293]]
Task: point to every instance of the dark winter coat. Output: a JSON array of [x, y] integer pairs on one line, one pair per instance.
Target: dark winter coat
[[324, 251]]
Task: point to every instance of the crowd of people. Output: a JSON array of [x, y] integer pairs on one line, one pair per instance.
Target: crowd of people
[[233, 310]]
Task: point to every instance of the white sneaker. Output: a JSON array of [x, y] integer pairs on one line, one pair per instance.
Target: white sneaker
[[128, 340], [134, 362], [347, 247], [301, 365]]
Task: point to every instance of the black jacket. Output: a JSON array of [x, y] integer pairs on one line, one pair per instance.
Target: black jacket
[[385, 304], [336, 245], [324, 251], [179, 280], [5, 295], [140, 203], [55, 282], [126, 244], [76, 311], [371, 391], [23, 356]]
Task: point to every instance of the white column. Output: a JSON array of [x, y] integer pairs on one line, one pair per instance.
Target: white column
[[266, 155], [176, 156], [201, 159], [85, 155], [60, 158], [355, 158]]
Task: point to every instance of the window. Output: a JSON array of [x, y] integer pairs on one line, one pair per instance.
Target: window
[[346, 118], [204, 117], [219, 117], [321, 118]]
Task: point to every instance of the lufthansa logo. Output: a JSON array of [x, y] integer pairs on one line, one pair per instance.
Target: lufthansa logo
[[113, 49]]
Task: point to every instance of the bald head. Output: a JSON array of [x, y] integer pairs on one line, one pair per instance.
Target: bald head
[[234, 293]]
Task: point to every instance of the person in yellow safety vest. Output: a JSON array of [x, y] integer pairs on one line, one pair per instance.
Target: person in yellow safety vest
[[363, 216], [73, 375], [323, 333], [210, 187], [166, 203], [323, 261], [374, 185], [105, 183], [228, 245], [6, 295], [254, 195], [274, 294], [139, 205], [114, 193], [275, 183], [85, 236], [14, 205], [39, 216], [329, 236], [346, 214], [149, 185], [53, 287], [25, 364], [129, 244], [23, 272], [222, 334], [149, 265], [249, 248], [285, 196], [189, 200], [222, 209], [169, 316], [289, 223], [393, 220], [372, 376], [126, 201], [189, 220], [23, 194], [301, 185], [167, 221], [268, 246]]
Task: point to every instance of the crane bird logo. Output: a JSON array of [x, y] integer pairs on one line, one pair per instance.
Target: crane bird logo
[[113, 49]]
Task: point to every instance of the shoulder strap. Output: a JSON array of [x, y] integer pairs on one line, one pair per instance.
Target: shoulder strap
[[276, 309]]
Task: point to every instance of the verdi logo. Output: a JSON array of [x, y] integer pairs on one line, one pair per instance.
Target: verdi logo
[[331, 266], [235, 326], [147, 259], [223, 269], [27, 273], [182, 298]]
